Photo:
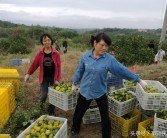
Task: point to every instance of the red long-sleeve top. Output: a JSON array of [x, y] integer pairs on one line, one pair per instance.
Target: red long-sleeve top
[[38, 62]]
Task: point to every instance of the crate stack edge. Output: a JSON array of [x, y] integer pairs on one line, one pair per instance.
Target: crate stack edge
[[12, 76], [4, 107], [121, 108], [125, 126]]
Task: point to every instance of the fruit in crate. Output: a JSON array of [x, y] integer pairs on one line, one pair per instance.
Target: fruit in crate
[[153, 90], [127, 116], [44, 128], [121, 96], [63, 87], [130, 83], [161, 114], [150, 128]]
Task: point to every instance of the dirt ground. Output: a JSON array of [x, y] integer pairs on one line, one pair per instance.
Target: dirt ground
[[31, 89], [87, 130]]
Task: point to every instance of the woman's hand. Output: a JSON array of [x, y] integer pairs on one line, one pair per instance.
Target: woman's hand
[[26, 78], [143, 84], [74, 89]]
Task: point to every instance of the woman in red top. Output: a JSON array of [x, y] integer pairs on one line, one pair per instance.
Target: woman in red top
[[48, 59]]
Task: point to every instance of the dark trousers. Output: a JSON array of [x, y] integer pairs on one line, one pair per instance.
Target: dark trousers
[[83, 105], [44, 91]]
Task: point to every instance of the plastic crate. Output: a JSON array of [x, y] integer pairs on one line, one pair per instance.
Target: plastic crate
[[93, 103], [11, 95], [16, 62], [5, 136], [142, 132], [121, 108], [152, 101], [62, 100], [115, 81], [123, 126], [10, 75], [25, 61], [62, 132], [4, 107], [132, 87], [91, 116], [160, 127]]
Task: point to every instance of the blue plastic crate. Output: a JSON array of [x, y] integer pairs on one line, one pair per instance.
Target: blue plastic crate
[[16, 62], [113, 80]]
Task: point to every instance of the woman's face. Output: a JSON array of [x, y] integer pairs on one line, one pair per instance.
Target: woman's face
[[100, 47], [46, 42]]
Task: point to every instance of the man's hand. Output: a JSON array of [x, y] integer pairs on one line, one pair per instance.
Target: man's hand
[[26, 78], [143, 84]]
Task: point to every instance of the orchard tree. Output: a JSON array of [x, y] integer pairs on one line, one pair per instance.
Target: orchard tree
[[133, 49]]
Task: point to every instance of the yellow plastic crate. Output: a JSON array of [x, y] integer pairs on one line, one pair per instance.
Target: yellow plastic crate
[[4, 107], [11, 95], [123, 126], [143, 133], [10, 75], [5, 136]]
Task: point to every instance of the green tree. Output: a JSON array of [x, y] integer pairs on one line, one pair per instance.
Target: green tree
[[133, 49]]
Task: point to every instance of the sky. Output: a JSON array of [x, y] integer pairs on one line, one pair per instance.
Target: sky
[[80, 14]]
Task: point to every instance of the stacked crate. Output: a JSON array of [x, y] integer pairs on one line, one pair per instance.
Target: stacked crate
[[125, 126], [92, 115], [152, 101], [10, 75], [4, 107], [10, 94], [121, 108], [130, 85], [160, 127], [9, 86], [5, 136], [142, 129], [122, 103]]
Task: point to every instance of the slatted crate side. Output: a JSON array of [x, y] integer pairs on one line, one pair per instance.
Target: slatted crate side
[[125, 126], [5, 136], [4, 107], [10, 75], [62, 100], [143, 133], [160, 126], [15, 82], [11, 95], [121, 108], [91, 116]]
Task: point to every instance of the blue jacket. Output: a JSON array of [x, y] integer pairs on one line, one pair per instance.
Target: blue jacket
[[91, 73]]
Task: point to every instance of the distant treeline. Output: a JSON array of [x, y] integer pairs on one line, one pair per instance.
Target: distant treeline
[[130, 43]]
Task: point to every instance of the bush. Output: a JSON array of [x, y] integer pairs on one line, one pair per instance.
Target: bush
[[133, 50]]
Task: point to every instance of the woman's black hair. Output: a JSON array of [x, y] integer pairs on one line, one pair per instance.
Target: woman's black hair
[[99, 37], [44, 36]]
